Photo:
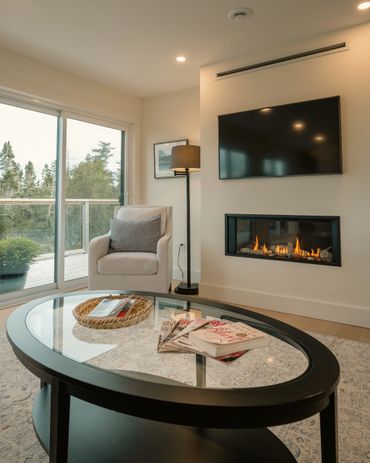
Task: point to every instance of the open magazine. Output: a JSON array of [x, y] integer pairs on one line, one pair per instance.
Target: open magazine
[[176, 336], [113, 307]]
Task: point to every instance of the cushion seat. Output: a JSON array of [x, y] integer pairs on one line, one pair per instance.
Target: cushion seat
[[128, 263]]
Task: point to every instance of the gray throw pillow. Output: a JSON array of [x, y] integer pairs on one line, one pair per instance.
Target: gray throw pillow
[[135, 235]]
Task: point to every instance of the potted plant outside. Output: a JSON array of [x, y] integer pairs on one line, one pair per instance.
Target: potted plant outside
[[16, 256]]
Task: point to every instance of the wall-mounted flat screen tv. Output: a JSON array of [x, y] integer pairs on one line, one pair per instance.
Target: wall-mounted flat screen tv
[[293, 139]]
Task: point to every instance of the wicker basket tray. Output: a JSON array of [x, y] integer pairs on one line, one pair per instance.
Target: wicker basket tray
[[140, 311]]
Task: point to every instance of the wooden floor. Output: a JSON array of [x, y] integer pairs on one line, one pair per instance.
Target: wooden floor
[[304, 323]]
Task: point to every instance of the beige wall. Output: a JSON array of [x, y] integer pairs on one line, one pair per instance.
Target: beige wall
[[335, 293], [169, 117], [33, 79]]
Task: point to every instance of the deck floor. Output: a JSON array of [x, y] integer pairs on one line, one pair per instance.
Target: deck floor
[[42, 271]]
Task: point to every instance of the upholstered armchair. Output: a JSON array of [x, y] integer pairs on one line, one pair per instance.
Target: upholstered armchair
[[129, 265]]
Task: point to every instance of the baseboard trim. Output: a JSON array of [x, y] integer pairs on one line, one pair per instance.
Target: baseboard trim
[[322, 310]]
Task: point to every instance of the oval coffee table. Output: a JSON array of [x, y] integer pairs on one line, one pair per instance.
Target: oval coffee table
[[108, 396]]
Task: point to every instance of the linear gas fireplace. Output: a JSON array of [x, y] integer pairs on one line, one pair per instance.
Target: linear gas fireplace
[[293, 238]]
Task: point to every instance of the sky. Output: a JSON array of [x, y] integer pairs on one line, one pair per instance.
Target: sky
[[33, 137]]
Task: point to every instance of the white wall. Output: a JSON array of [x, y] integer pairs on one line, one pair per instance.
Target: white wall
[[33, 79], [335, 293], [173, 116]]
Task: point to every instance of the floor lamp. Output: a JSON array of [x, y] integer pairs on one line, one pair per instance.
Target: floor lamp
[[186, 159]]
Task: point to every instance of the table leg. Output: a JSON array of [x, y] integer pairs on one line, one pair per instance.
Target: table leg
[[328, 430], [200, 370], [59, 422]]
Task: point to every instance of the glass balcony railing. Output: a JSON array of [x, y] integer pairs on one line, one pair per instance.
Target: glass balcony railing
[[34, 220]]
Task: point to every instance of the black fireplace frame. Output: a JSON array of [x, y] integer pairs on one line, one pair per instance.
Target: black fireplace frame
[[231, 238]]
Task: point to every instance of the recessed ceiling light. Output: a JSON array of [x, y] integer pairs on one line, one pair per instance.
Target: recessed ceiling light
[[363, 6], [180, 59], [265, 110], [319, 138], [298, 125]]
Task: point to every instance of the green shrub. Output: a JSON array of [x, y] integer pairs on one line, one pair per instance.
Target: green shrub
[[16, 255]]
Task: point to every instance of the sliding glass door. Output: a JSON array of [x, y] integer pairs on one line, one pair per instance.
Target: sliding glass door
[[28, 141], [93, 187]]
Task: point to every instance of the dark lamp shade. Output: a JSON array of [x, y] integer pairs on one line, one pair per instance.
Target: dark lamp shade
[[185, 157]]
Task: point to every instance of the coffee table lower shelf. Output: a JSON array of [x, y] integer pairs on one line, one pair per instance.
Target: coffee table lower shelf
[[100, 435]]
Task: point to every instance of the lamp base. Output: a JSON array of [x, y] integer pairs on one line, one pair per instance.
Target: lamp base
[[183, 288]]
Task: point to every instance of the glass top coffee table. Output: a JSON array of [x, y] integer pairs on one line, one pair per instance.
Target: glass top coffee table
[[109, 396]]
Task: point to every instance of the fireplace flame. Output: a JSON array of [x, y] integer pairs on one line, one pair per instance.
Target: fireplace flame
[[281, 250], [297, 249], [315, 254], [285, 250]]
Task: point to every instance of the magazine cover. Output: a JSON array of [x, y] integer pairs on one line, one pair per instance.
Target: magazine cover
[[228, 333], [227, 339]]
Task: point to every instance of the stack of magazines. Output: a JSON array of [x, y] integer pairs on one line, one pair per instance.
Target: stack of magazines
[[220, 339]]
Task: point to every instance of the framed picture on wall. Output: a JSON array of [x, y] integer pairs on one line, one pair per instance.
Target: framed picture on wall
[[162, 158]]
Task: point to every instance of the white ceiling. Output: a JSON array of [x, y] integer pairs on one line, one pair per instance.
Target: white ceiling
[[131, 44]]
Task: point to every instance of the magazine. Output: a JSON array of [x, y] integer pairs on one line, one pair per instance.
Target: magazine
[[174, 334], [227, 338], [112, 307]]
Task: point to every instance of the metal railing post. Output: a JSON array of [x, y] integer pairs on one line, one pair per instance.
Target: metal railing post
[[85, 225]]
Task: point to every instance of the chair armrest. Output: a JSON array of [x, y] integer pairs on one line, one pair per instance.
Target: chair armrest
[[162, 247], [98, 248]]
